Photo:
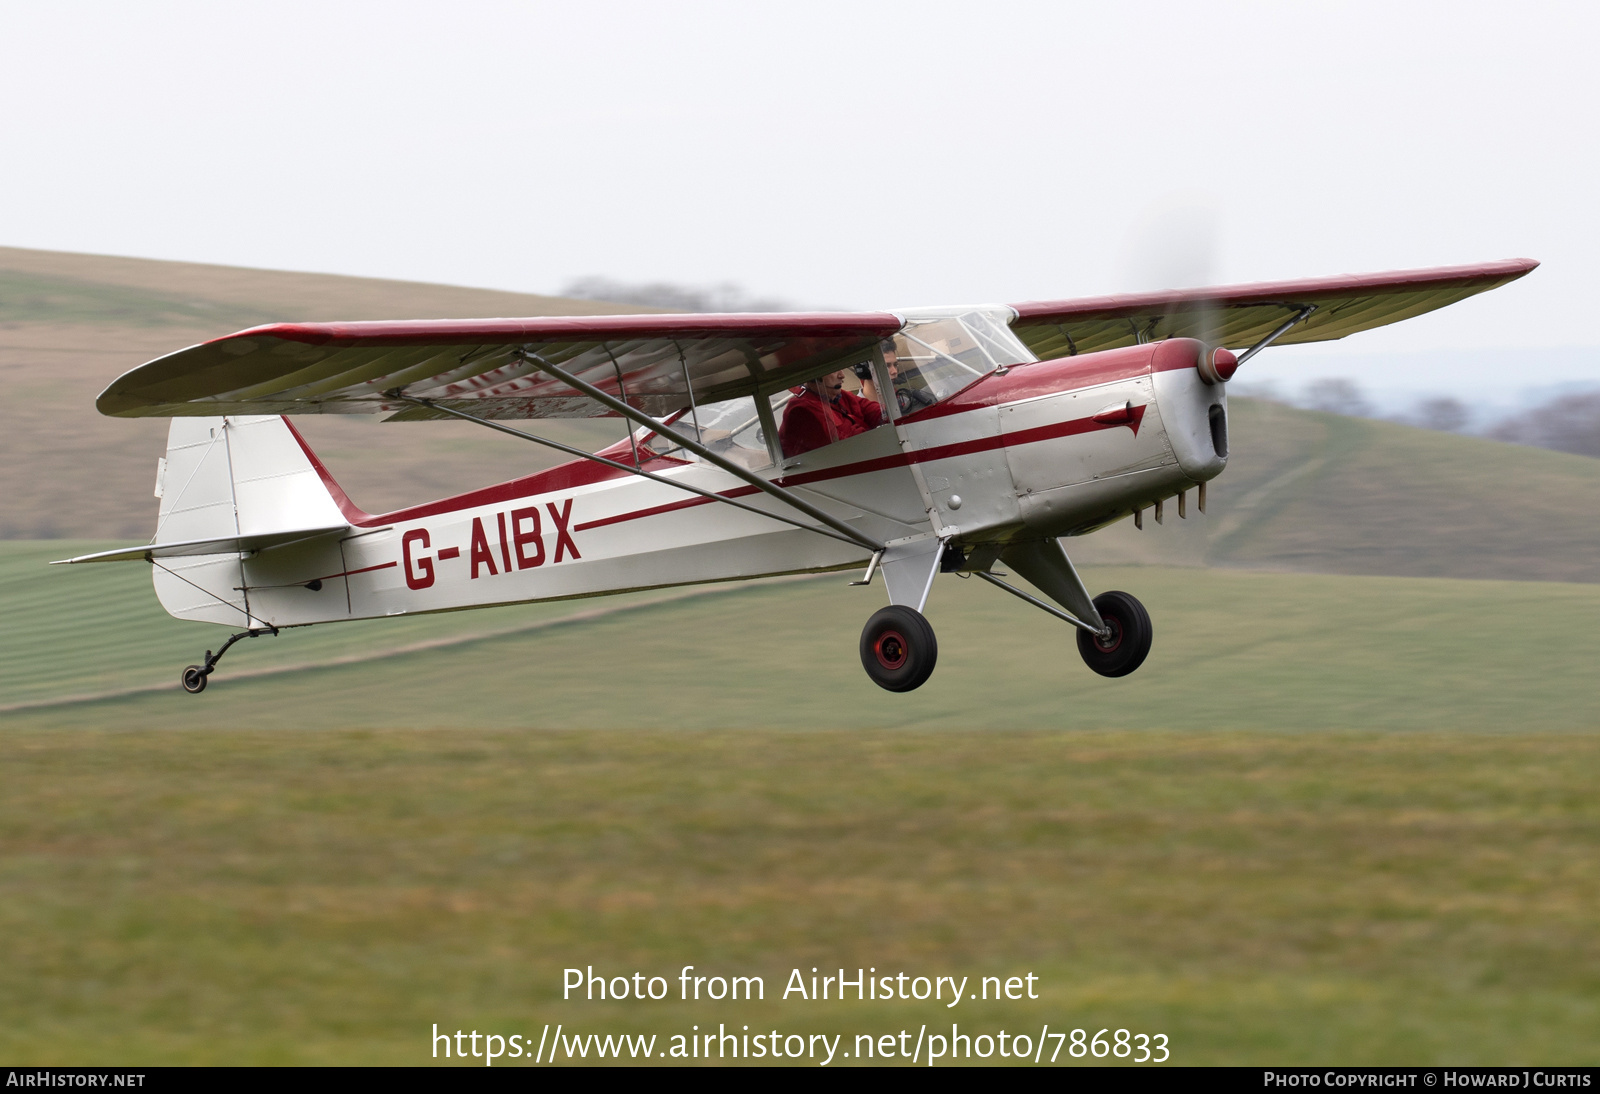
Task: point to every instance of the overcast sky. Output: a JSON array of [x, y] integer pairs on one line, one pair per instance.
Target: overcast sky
[[851, 155]]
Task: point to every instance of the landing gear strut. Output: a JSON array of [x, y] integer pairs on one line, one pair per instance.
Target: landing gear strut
[[898, 648], [194, 677]]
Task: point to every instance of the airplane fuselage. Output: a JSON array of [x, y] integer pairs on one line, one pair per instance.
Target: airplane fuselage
[[1043, 449]]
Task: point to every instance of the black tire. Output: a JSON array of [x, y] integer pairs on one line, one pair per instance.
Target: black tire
[[1129, 642], [194, 679], [898, 648]]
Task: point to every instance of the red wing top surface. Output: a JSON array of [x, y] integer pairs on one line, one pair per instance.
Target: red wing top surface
[[490, 367]]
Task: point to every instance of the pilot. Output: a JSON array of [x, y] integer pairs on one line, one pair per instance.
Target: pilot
[[909, 399], [825, 412]]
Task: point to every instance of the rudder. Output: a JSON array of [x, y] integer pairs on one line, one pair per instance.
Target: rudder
[[231, 477]]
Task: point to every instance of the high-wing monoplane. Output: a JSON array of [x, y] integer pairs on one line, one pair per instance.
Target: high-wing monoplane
[[906, 444]]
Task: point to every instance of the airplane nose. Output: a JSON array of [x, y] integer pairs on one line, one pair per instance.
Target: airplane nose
[[1217, 366]]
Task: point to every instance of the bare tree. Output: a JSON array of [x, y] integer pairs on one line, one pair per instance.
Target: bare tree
[[1446, 414], [1567, 423], [1337, 396], [1266, 390], [663, 294]]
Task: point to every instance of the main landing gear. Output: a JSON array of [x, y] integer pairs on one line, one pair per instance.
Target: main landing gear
[[1126, 641], [898, 648], [194, 677]]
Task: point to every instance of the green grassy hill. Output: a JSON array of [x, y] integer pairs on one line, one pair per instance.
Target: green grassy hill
[[1320, 492], [1232, 650], [70, 324]]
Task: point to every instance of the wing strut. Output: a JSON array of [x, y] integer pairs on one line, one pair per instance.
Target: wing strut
[[1301, 317], [569, 450], [787, 497]]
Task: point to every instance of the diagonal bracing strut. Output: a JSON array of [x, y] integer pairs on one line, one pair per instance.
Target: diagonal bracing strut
[[1041, 605], [641, 418], [571, 451], [1296, 320]]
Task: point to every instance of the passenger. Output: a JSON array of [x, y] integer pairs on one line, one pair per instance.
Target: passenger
[[909, 399], [825, 412]]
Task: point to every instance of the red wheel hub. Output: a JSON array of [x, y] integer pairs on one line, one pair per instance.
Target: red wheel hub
[[1110, 642], [891, 650]]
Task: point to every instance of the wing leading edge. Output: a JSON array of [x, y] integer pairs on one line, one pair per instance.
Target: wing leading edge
[[490, 367], [1238, 316]]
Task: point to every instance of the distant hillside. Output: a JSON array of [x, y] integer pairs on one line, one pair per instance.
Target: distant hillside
[[1320, 492], [70, 324], [1304, 490], [101, 290]]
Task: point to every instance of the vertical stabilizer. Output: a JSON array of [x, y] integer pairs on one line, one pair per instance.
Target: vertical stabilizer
[[224, 478]]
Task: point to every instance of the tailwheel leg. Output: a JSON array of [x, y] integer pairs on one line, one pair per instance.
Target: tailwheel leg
[[898, 648], [194, 677]]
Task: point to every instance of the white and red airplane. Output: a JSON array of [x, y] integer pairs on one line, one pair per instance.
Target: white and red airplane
[[1010, 427]]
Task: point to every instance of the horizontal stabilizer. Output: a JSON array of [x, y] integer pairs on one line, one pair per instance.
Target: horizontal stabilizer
[[226, 545]]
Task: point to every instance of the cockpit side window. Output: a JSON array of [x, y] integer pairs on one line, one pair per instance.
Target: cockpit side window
[[731, 429]]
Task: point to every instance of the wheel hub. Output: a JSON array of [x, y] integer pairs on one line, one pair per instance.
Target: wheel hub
[[890, 649], [1108, 642]]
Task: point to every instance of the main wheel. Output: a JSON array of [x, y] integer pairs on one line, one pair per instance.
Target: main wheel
[[898, 649], [194, 679], [1128, 644]]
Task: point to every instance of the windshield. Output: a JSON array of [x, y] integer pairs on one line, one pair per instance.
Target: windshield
[[940, 351]]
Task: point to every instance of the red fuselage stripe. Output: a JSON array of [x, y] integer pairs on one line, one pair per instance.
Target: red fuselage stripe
[[927, 455], [363, 570]]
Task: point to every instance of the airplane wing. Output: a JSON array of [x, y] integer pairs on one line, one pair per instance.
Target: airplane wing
[[490, 367], [1238, 316]]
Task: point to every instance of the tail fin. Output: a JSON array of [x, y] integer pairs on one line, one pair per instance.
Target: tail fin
[[239, 477], [228, 486]]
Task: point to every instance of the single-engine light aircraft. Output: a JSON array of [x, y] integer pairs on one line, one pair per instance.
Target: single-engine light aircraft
[[908, 443]]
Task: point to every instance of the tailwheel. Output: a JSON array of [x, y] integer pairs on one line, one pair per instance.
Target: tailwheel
[[898, 648], [194, 677], [1127, 642]]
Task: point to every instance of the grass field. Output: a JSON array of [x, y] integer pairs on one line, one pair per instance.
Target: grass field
[[326, 896], [1233, 650], [1333, 819]]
